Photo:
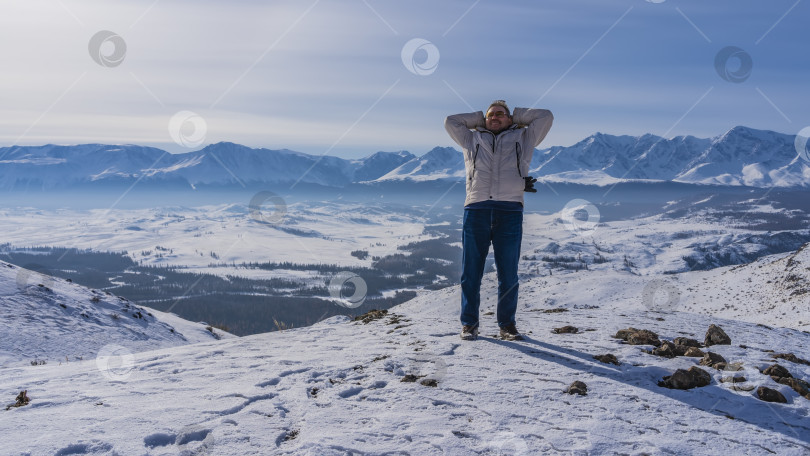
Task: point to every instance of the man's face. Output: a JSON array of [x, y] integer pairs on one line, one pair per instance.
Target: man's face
[[497, 119]]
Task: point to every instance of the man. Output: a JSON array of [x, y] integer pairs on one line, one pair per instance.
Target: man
[[497, 148]]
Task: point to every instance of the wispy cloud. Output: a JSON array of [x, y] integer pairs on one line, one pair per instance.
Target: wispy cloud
[[314, 80]]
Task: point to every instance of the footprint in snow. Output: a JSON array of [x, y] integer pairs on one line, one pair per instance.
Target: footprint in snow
[[271, 382], [194, 438]]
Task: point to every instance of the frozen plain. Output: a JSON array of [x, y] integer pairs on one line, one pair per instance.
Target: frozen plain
[[335, 388]]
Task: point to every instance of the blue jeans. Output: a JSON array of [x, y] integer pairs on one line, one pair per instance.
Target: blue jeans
[[504, 229]]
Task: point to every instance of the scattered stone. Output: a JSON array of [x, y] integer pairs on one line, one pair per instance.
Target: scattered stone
[[737, 383], [712, 360], [607, 359], [22, 399], [776, 372], [770, 395], [557, 310], [623, 334], [791, 357], [566, 330], [694, 352], [686, 379], [409, 378], [667, 349], [680, 350], [800, 386], [716, 336], [371, 315], [732, 367], [577, 387], [635, 336], [686, 342], [429, 382], [644, 337]]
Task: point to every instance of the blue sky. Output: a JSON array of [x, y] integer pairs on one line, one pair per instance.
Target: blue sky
[[329, 76]]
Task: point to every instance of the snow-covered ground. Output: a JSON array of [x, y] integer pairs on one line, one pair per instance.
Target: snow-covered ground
[[774, 290], [653, 245], [336, 388], [51, 320], [328, 233], [180, 236], [118, 383]]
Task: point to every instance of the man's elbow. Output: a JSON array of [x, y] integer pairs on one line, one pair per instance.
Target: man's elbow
[[452, 123], [547, 117]]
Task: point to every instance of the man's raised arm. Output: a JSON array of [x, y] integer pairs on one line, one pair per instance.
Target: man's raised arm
[[459, 126], [538, 123]]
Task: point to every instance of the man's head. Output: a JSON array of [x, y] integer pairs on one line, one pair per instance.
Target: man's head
[[497, 116]]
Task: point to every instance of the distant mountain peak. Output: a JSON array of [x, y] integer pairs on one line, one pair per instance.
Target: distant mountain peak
[[740, 156]]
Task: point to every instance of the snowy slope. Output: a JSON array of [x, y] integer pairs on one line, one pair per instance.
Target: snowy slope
[[335, 388], [379, 164], [772, 291], [439, 163], [48, 319]]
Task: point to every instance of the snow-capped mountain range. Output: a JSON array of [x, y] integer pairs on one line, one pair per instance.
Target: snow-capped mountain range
[[740, 157]]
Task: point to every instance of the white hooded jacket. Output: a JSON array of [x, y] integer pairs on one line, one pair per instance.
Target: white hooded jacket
[[496, 164]]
